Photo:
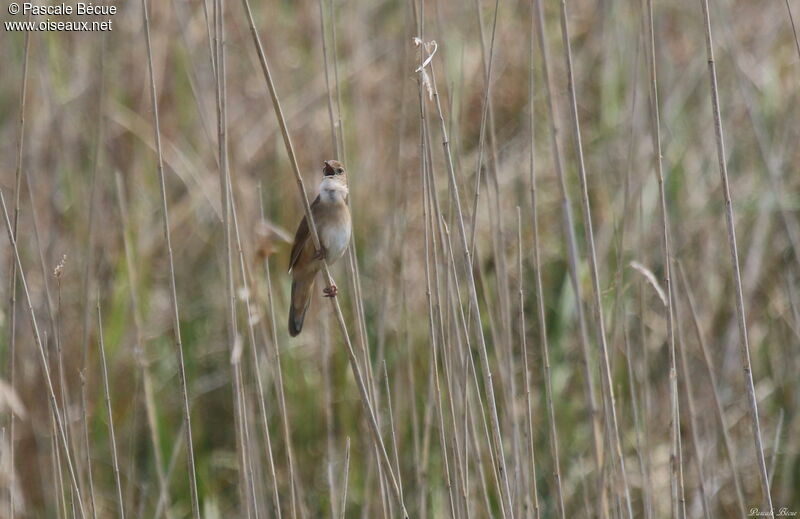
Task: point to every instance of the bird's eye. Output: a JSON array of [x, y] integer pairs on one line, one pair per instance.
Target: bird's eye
[[339, 171]]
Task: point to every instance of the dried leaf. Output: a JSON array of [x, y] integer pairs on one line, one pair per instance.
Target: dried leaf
[[651, 278]]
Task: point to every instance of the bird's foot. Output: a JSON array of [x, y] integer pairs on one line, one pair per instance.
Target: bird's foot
[[330, 291], [320, 255]]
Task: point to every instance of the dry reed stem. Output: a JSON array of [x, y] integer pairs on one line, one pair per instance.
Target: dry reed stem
[[689, 391], [646, 389], [43, 359], [523, 341], [619, 308], [325, 372], [626, 195], [712, 379], [276, 360], [211, 54], [58, 470], [363, 391], [86, 445], [646, 499], [543, 340], [436, 212], [341, 150], [363, 344], [62, 381], [139, 353], [256, 363], [242, 429], [469, 375], [393, 242], [540, 307], [568, 226], [593, 268], [177, 446], [12, 278], [279, 386], [111, 435], [250, 312], [173, 289], [545, 347], [345, 475], [334, 138], [475, 310], [391, 423], [461, 446], [434, 344], [250, 451], [193, 77], [464, 346], [744, 346], [794, 29], [54, 320], [52, 314], [484, 115], [498, 242], [776, 444], [676, 478], [774, 165], [480, 469], [87, 275], [470, 370]]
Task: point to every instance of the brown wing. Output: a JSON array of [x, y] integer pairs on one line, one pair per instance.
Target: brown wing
[[301, 237]]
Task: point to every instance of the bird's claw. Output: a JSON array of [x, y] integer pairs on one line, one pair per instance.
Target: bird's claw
[[330, 291], [320, 254]]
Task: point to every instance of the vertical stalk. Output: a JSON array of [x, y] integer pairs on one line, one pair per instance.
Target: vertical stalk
[[727, 442], [545, 346], [111, 435], [744, 345], [87, 279], [523, 340], [593, 268], [689, 391], [139, 354], [676, 474], [173, 289], [59, 422], [568, 226], [12, 278], [345, 474], [241, 422], [507, 507]]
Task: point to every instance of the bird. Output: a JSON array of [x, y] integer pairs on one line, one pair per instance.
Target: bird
[[334, 227]]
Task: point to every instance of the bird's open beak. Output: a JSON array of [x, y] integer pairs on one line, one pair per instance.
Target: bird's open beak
[[328, 170]]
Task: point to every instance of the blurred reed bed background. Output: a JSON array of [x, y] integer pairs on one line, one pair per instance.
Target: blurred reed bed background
[[539, 315]]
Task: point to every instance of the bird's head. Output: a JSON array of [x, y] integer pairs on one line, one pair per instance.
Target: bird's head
[[333, 187], [333, 168]]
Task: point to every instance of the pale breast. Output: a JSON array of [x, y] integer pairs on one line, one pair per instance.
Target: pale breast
[[333, 224], [335, 238]]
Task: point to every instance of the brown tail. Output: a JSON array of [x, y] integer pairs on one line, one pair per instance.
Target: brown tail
[[301, 297]]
